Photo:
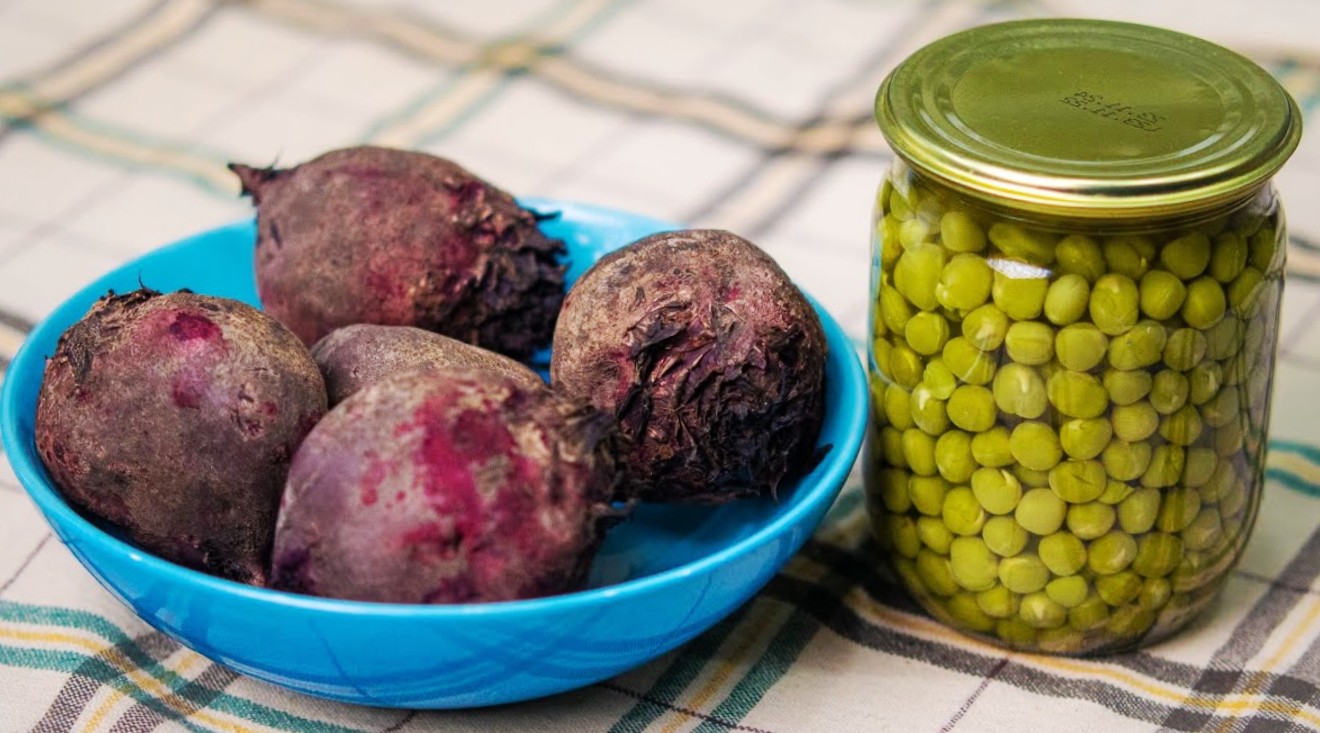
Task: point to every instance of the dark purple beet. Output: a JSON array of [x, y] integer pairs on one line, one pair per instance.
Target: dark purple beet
[[452, 486], [710, 358], [174, 417], [394, 237], [357, 356]]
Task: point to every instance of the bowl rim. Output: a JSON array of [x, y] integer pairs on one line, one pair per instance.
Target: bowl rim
[[834, 469]]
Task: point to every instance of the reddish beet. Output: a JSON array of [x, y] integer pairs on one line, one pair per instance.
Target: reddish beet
[[174, 417], [357, 356], [376, 235], [453, 486], [710, 358]]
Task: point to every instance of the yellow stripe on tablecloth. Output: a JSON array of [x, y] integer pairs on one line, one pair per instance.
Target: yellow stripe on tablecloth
[[1296, 464], [113, 698], [131, 671], [930, 630]]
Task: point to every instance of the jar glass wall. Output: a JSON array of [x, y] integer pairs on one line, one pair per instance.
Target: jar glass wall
[[1068, 417]]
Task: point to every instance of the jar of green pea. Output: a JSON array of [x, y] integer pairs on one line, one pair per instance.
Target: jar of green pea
[[1077, 267]]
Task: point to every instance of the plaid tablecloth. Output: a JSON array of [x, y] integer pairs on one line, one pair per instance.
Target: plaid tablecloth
[[116, 120]]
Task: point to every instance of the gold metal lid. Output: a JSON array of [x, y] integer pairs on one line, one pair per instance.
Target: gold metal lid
[[1088, 118]]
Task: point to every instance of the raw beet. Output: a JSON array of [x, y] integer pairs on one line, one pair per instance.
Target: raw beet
[[452, 486], [377, 235], [174, 417], [710, 358], [356, 356]]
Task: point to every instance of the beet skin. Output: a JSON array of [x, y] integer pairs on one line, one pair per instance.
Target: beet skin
[[452, 486], [709, 357], [354, 357], [174, 417], [393, 237]]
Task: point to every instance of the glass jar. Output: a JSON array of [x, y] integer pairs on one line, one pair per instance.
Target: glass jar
[[1077, 266]]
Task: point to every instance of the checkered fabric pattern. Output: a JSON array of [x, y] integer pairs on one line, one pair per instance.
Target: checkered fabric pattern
[[118, 116]]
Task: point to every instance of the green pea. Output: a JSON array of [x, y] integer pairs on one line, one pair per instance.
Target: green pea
[[960, 232], [1223, 409], [1023, 573], [1114, 304], [1224, 339], [1178, 509], [1115, 492], [1062, 553], [1205, 531], [1018, 390], [905, 366], [903, 535], [974, 566], [891, 442], [965, 282], [1182, 427], [997, 490], [1169, 391], [1019, 294], [896, 406], [1166, 467], [1185, 349], [907, 573], [1187, 256], [1162, 294], [1030, 342], [1077, 394], [1078, 254], [1140, 347], [881, 350], [1124, 388], [991, 447], [1040, 512], [1228, 258], [1244, 293], [1155, 593], [918, 272], [927, 493], [1015, 633], [1204, 381], [1078, 482], [1264, 245], [1018, 241], [928, 413], [1067, 299], [926, 333], [936, 573], [1080, 346], [1221, 480], [938, 379], [953, 456], [1091, 520], [933, 534], [914, 232], [1035, 445], [1129, 255], [1040, 612], [1069, 592], [1205, 303], [1199, 466], [997, 602], [892, 486], [1137, 513], [899, 204], [1229, 505], [1111, 553], [962, 512], [1118, 588], [895, 311], [1089, 614], [1135, 422], [985, 327], [967, 614], [1030, 477], [1084, 439], [1237, 368], [1126, 461], [1158, 554], [972, 407], [967, 362], [919, 450], [1004, 536]]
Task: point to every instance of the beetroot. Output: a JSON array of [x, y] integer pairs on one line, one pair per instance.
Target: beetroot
[[453, 486], [354, 357], [710, 358], [377, 235], [174, 418]]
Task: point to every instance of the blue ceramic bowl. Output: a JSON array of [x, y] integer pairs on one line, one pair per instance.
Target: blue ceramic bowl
[[662, 578]]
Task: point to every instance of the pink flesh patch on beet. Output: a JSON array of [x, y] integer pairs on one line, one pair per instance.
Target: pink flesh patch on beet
[[372, 478], [189, 327]]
